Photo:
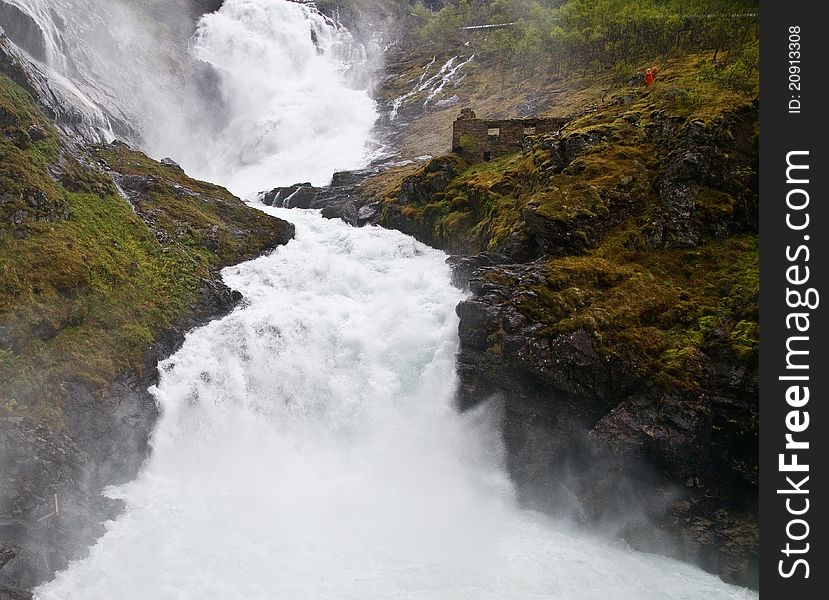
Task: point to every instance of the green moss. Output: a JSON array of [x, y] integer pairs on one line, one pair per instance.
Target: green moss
[[477, 209], [22, 161], [660, 306], [745, 339]]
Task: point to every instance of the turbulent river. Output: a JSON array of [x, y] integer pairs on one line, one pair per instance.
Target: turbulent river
[[308, 449], [308, 446]]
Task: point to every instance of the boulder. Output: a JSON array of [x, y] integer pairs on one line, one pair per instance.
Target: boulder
[[169, 162], [299, 195]]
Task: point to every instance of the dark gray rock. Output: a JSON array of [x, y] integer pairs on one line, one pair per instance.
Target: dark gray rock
[[708, 183], [22, 30], [368, 213], [342, 199], [36, 133], [590, 437], [463, 267], [303, 197], [433, 180], [342, 209], [39, 533], [201, 7], [299, 195], [10, 594]]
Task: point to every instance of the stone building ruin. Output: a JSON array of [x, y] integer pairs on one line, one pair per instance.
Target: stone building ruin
[[484, 139]]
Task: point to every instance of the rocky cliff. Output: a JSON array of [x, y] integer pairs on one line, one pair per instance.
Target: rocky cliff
[[107, 258], [613, 276]]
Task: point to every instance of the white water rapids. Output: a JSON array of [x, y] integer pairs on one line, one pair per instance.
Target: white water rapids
[[308, 449]]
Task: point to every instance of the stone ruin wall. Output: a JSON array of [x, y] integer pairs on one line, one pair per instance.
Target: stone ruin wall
[[496, 137]]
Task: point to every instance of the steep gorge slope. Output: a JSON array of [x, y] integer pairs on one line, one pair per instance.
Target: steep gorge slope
[[616, 314]]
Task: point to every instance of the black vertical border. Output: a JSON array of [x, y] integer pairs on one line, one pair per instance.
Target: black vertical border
[[780, 133]]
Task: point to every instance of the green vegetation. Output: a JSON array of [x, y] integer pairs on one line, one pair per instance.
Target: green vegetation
[[480, 207], [87, 281], [468, 144], [660, 308], [467, 214], [549, 36], [556, 57]]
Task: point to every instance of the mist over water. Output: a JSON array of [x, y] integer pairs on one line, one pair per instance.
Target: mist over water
[[259, 94], [308, 448]]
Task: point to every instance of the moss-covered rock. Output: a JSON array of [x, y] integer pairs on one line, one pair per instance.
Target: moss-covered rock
[[89, 278]]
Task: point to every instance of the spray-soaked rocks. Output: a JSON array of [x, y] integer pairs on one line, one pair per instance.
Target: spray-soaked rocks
[[48, 515], [342, 199], [299, 195], [662, 448]]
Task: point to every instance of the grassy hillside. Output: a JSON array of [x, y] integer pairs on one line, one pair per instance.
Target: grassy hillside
[[558, 57]]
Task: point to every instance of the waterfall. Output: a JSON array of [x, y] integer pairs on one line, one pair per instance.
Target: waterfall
[[308, 448], [240, 97], [284, 73]]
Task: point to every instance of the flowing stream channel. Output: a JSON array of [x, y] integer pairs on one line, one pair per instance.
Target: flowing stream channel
[[308, 448]]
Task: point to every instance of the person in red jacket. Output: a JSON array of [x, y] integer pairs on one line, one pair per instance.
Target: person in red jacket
[[649, 77]]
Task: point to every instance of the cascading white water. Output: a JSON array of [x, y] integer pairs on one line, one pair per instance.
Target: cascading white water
[[241, 98], [434, 85], [62, 63], [308, 449], [283, 72]]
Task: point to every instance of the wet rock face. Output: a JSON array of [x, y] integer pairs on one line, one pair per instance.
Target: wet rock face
[[22, 30], [49, 514], [299, 195], [105, 443], [590, 437], [341, 199], [707, 186], [204, 7], [434, 179]]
